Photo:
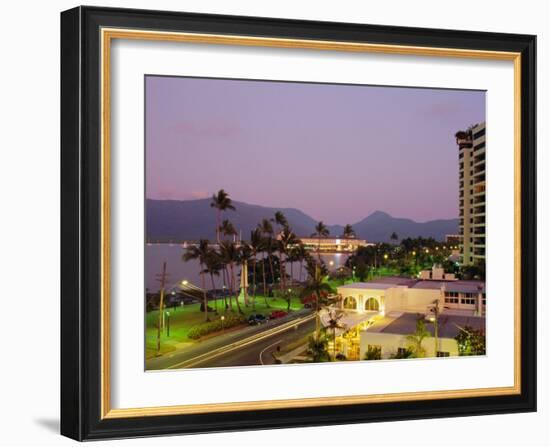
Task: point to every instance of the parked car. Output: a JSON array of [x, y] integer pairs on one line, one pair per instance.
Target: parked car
[[277, 314], [256, 319]]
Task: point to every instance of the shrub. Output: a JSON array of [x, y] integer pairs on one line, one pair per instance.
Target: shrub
[[203, 329]]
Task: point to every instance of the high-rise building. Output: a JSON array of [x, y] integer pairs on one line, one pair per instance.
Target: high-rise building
[[471, 160]]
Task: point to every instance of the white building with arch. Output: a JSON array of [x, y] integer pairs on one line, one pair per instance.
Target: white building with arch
[[375, 312]]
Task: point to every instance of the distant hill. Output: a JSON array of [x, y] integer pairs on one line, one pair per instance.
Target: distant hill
[[178, 220]]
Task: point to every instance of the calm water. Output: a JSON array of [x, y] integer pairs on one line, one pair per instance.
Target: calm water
[[178, 270]]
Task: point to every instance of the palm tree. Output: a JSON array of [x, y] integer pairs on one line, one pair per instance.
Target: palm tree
[[415, 340], [280, 219], [227, 228], [256, 245], [394, 236], [222, 202], [213, 266], [334, 324], [230, 255], [321, 231], [267, 229], [199, 252], [348, 232], [318, 288], [317, 348], [300, 253], [286, 240]]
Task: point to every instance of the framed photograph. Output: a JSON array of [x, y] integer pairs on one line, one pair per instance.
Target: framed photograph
[[275, 223]]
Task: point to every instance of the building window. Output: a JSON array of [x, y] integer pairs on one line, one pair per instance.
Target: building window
[[470, 301], [350, 303], [372, 304], [442, 354]]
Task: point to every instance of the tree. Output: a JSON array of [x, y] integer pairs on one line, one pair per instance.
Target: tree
[[334, 324], [300, 254], [393, 236], [200, 252], [221, 202], [318, 348], [267, 230], [227, 228], [280, 219], [230, 256], [287, 239], [319, 289], [213, 266], [470, 341], [415, 340], [348, 232], [257, 246], [321, 231]]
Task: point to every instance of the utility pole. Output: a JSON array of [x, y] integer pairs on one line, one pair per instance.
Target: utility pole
[[162, 278]]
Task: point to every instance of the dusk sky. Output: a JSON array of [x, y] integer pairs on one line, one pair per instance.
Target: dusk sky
[[336, 152]]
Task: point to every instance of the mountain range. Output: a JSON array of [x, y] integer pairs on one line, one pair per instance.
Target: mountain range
[[178, 220]]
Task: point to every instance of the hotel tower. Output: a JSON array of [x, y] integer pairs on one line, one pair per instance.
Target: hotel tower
[[471, 174]]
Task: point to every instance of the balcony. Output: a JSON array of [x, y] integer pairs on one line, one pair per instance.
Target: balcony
[[479, 188]]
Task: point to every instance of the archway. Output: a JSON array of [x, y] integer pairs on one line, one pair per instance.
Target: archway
[[350, 303], [372, 304]]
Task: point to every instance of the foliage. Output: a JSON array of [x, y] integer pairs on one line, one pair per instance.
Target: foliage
[[348, 232], [471, 341], [341, 274], [318, 348], [415, 340], [201, 330], [403, 354], [373, 353], [473, 271]]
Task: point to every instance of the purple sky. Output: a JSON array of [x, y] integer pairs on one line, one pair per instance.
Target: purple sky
[[336, 152]]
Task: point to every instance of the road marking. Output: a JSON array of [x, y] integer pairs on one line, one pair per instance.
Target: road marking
[[266, 348], [239, 344]]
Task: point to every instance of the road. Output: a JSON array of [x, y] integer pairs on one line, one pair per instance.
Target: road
[[260, 353], [207, 349]]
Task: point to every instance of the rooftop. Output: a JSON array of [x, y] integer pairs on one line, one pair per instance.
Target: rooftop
[[462, 286], [451, 286], [449, 325], [368, 286]]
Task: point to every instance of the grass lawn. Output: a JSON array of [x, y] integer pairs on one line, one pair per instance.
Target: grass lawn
[[183, 318]]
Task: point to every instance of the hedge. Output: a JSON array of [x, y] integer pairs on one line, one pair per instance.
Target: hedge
[[203, 329]]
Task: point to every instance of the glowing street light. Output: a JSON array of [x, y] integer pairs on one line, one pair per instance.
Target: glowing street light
[[184, 282]]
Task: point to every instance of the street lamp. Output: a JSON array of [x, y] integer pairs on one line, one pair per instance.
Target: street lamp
[[184, 282], [223, 318]]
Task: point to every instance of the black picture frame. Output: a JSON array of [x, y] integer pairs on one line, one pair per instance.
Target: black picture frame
[[81, 224]]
